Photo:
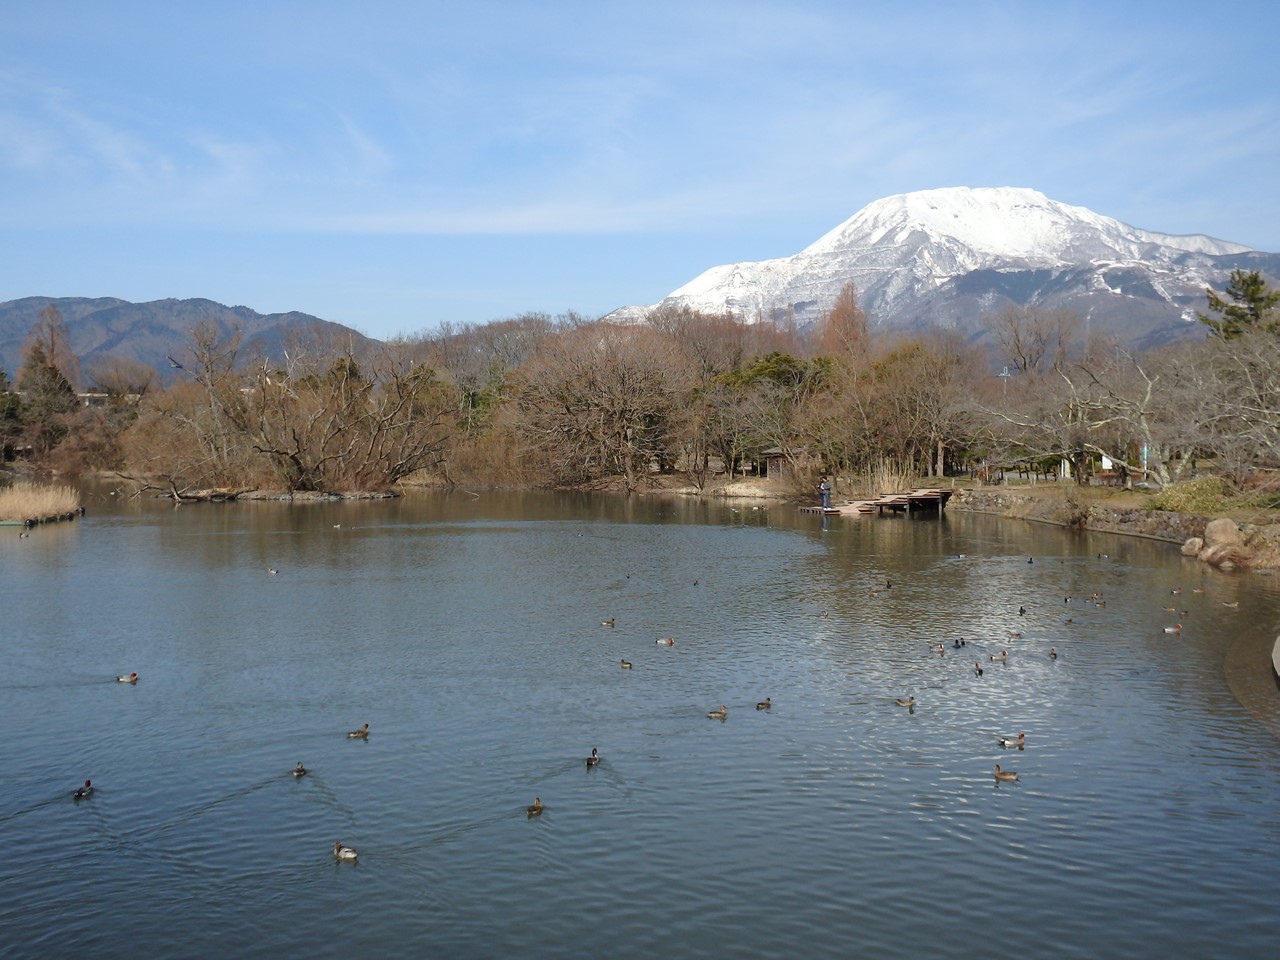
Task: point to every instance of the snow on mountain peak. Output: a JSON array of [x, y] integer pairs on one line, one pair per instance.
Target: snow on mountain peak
[[939, 256], [1001, 223]]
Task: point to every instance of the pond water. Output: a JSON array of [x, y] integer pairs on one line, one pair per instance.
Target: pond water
[[467, 632]]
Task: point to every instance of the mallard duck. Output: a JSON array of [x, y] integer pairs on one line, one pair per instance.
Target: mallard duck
[[534, 809], [594, 759], [1019, 741], [625, 664], [718, 714], [299, 770], [908, 702], [127, 678], [361, 734], [1004, 774], [1176, 628], [666, 642], [765, 704], [343, 853], [83, 792], [611, 622]]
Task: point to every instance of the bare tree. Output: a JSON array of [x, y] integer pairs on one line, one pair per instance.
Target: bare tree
[[599, 400]]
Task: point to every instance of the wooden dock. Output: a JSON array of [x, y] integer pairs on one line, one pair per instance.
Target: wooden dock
[[925, 498]]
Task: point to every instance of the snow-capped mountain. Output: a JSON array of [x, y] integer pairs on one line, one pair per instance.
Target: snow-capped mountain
[[949, 257]]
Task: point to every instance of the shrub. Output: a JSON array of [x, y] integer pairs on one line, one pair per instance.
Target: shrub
[[1201, 496]]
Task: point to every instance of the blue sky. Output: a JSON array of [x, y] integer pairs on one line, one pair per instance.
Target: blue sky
[[393, 166]]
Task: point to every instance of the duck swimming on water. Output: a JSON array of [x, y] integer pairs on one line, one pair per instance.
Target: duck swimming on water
[[361, 734], [1005, 775], [534, 809], [718, 714], [84, 792], [128, 678], [342, 852], [594, 759], [299, 770]]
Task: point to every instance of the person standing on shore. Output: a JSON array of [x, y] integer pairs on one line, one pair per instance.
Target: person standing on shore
[[824, 491]]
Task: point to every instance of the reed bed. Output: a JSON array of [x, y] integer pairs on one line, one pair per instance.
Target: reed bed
[[25, 500]]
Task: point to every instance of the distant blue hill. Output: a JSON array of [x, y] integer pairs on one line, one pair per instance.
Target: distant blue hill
[[148, 333]]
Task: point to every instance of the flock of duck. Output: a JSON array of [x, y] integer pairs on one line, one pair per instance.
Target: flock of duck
[[1096, 599], [342, 852]]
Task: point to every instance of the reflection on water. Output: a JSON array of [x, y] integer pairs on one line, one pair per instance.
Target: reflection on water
[[467, 632]]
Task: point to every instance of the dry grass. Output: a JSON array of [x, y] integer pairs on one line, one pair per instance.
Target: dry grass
[[24, 500]]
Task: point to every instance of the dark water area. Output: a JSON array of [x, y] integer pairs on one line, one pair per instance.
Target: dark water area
[[467, 632]]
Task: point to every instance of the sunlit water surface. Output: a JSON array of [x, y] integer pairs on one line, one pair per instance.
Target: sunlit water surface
[[467, 633]]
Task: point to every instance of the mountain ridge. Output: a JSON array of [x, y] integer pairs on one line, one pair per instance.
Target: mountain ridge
[[949, 256], [149, 332]]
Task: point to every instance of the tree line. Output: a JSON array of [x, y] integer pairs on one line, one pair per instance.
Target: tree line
[[574, 401]]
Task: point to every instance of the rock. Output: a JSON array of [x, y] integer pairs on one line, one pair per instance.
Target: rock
[[1222, 532], [1225, 556], [1192, 547]]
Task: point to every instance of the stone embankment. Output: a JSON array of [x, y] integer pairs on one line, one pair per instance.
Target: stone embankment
[[1221, 542]]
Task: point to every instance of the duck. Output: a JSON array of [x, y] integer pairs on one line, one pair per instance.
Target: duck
[[1232, 604], [825, 615], [128, 678], [908, 702], [1022, 611], [1014, 634], [1000, 657], [361, 734], [1176, 628], [611, 622], [594, 759], [1053, 654], [977, 669], [534, 809], [84, 792], [1005, 775], [666, 642], [625, 664], [1019, 741], [272, 571], [299, 770], [342, 852], [765, 704], [718, 714]]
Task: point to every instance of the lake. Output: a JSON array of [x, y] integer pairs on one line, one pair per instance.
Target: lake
[[466, 630]]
